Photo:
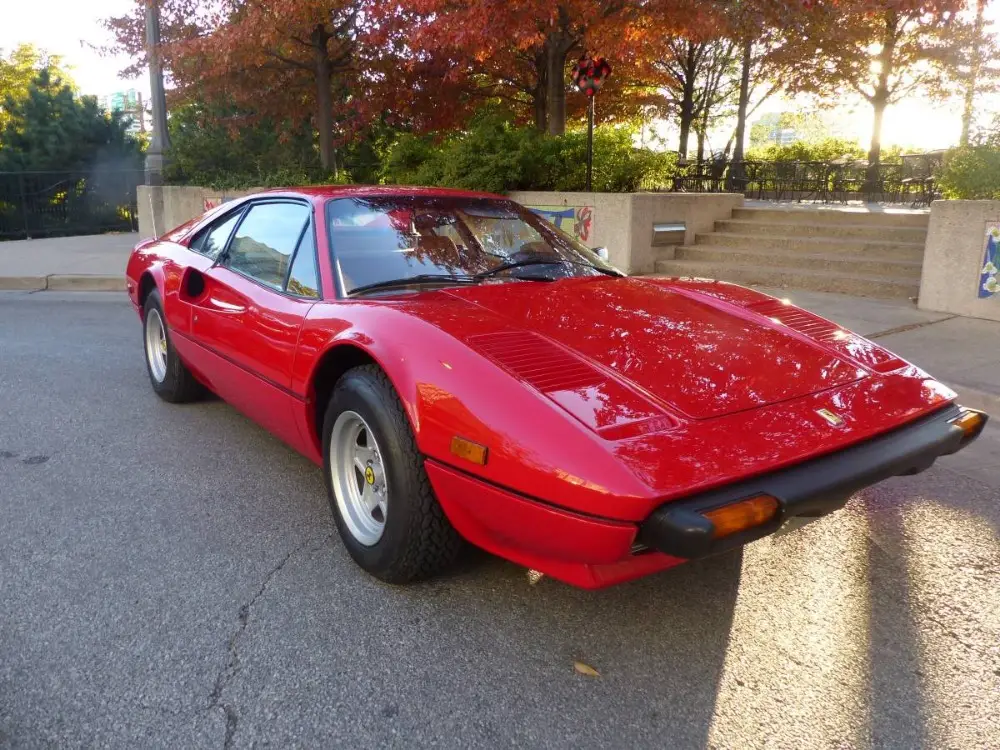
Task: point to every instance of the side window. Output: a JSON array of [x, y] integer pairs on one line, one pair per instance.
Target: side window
[[213, 238], [264, 241], [303, 279]]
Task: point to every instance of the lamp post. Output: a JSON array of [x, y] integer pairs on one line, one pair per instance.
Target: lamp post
[[590, 144], [159, 142], [589, 75]]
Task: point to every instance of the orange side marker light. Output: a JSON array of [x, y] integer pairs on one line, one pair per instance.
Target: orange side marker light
[[970, 422], [745, 514], [469, 450]]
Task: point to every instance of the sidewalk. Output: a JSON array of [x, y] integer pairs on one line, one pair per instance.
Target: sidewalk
[[89, 263]]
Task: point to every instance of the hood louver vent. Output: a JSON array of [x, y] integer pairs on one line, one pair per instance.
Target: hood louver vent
[[539, 362], [843, 342]]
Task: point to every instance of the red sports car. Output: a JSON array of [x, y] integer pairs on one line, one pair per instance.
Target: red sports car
[[462, 370]]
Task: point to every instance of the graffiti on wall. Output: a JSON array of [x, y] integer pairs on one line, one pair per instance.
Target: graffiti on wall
[[989, 274], [217, 200], [576, 221]]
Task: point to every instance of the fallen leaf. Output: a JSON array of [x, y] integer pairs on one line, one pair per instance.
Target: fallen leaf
[[585, 669]]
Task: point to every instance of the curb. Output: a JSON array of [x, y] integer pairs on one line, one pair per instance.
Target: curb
[[22, 283], [63, 283]]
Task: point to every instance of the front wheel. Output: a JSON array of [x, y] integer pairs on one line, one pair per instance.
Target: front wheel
[[170, 378], [386, 513]]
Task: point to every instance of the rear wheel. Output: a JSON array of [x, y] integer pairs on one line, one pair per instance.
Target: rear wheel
[[386, 513], [170, 378]]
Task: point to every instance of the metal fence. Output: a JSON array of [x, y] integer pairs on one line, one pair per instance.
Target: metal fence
[[912, 181], [52, 204]]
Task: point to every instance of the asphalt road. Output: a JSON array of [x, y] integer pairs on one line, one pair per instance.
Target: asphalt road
[[169, 577]]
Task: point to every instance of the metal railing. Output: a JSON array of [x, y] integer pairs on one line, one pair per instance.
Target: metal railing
[[835, 181], [52, 204]]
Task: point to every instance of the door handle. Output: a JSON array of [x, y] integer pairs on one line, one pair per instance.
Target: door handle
[[223, 306]]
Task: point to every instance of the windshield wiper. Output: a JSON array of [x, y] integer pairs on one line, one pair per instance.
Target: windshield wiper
[[542, 262], [423, 278], [518, 264]]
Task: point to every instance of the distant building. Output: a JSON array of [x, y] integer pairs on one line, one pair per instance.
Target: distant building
[[130, 104], [770, 129]]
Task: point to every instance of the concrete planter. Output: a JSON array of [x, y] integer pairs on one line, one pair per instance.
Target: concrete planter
[[958, 240], [163, 208], [624, 222]]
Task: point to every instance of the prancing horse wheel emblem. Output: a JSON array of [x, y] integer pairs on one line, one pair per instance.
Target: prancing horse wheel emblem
[[370, 475], [832, 419]]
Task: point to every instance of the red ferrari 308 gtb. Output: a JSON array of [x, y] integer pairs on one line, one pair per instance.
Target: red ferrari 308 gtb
[[463, 370]]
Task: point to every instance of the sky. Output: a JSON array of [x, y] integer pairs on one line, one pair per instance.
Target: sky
[[69, 28]]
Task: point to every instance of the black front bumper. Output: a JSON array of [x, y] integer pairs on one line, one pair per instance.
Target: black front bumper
[[807, 490]]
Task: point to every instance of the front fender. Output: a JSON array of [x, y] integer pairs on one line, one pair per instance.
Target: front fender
[[533, 446]]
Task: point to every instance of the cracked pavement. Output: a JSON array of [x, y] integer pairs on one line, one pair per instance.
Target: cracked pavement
[[170, 577]]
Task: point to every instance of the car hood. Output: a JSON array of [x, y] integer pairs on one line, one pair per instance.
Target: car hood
[[696, 355]]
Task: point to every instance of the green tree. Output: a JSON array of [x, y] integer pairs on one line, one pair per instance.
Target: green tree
[[19, 68], [223, 146], [226, 146], [51, 129]]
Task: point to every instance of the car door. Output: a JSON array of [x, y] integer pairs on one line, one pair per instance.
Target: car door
[[251, 308]]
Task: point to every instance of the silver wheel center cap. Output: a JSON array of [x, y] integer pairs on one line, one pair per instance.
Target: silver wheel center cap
[[358, 477]]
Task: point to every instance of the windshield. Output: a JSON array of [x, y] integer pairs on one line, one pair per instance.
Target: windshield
[[385, 238]]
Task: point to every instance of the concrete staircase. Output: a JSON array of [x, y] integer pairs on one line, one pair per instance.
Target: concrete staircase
[[855, 252]]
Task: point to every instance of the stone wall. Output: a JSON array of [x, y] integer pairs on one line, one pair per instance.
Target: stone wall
[[960, 235], [623, 222], [163, 208]]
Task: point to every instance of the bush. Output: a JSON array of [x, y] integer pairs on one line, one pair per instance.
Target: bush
[[971, 172], [222, 147], [495, 156], [219, 147], [826, 149]]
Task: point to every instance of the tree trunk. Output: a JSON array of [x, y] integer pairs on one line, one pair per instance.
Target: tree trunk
[[875, 147], [539, 94], [556, 84], [702, 132], [687, 117], [324, 98], [689, 68], [737, 173], [880, 100], [974, 62]]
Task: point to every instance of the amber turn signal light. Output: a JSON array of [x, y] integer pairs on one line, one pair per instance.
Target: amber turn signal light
[[736, 517], [468, 450], [970, 422]]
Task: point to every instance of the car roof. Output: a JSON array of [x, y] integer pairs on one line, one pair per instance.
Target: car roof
[[371, 191]]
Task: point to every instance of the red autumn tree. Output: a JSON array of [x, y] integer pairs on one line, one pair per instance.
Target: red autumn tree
[[180, 20], [288, 59], [520, 49]]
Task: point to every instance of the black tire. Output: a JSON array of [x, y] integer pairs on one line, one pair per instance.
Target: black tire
[[178, 385], [418, 541]]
